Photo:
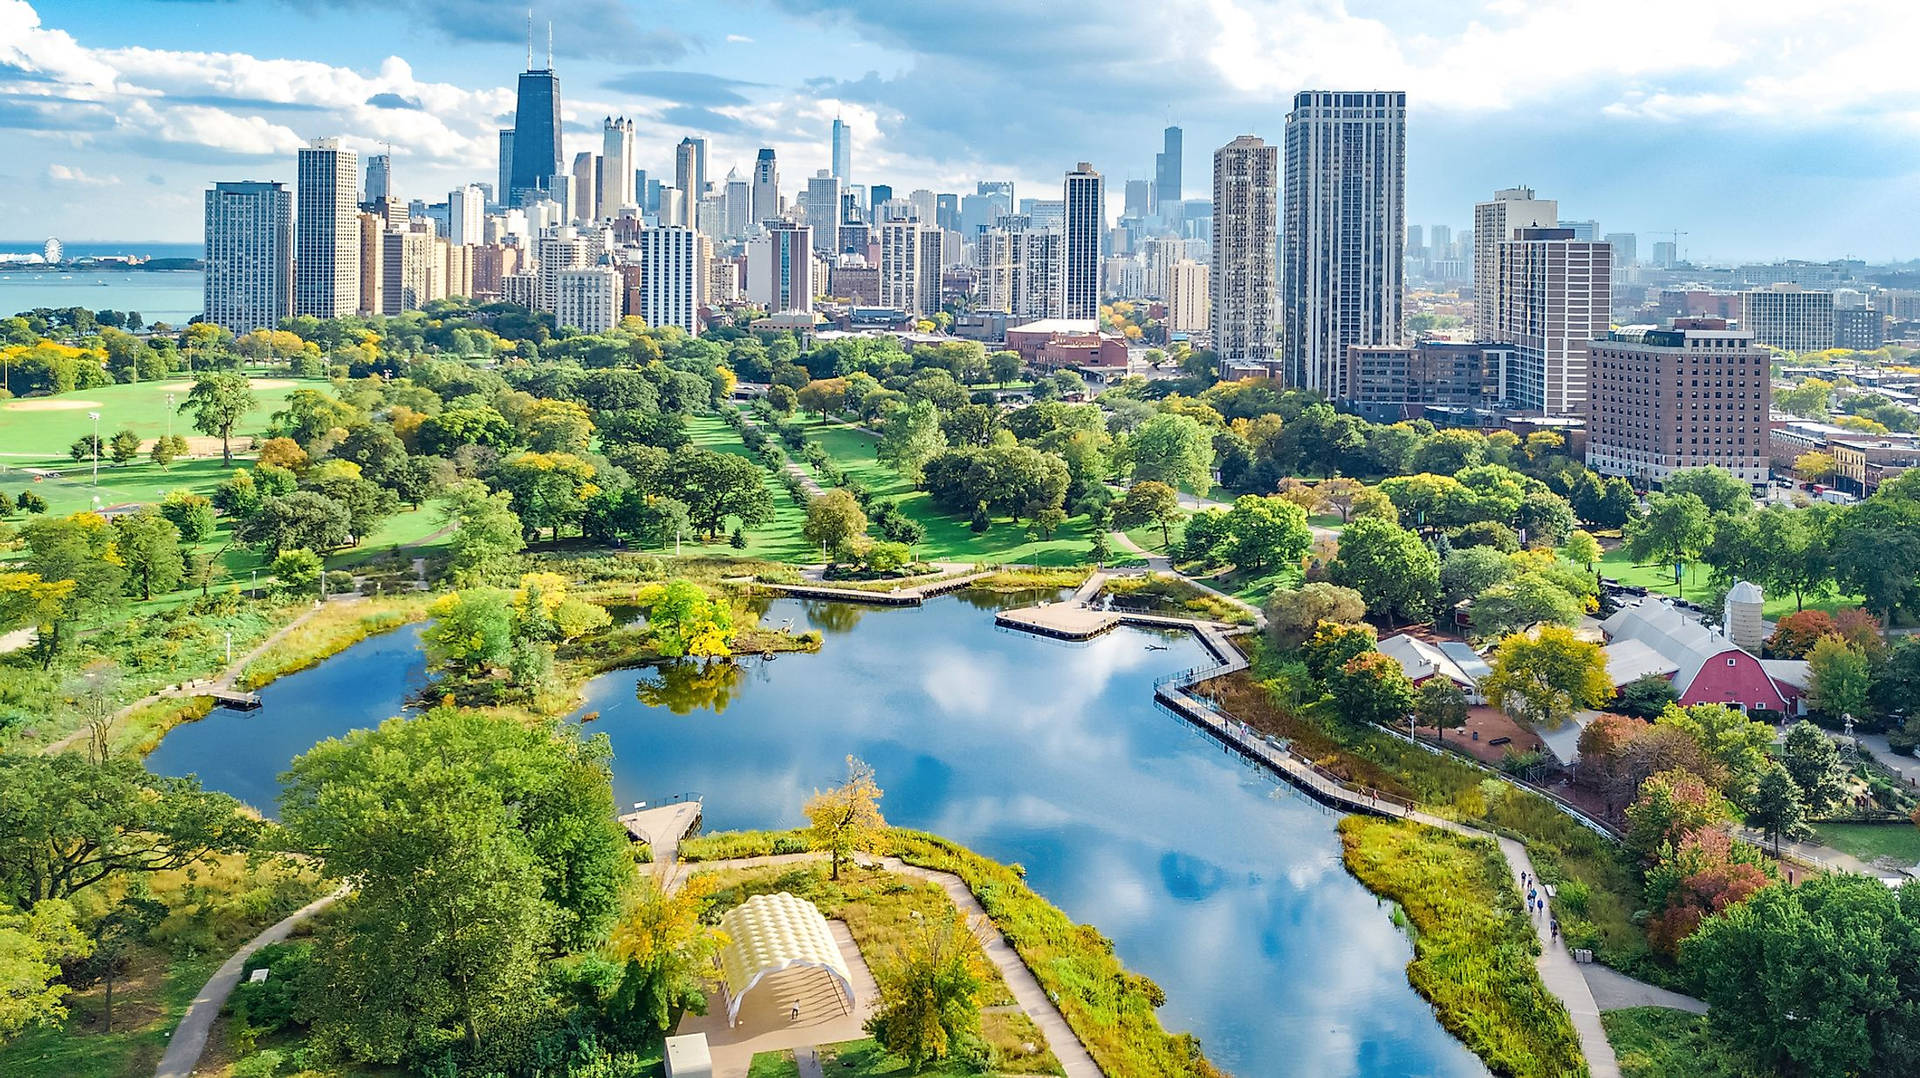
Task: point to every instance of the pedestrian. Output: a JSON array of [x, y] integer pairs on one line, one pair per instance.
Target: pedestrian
[[795, 1016], [1556, 928]]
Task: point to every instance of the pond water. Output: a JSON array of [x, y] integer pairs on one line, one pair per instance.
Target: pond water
[[1221, 885]]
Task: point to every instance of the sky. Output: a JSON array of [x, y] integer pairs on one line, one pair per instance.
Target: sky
[[1760, 129]]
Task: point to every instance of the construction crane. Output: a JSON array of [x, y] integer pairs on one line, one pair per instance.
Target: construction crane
[[1676, 234]]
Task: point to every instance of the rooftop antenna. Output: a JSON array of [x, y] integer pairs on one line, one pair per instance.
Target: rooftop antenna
[[549, 44], [529, 39]]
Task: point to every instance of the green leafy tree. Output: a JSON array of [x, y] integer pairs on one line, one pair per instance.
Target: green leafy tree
[[149, 545], [1150, 502], [1875, 548], [1396, 573], [1468, 572], [1778, 808], [846, 819], [714, 486], [87, 447], [1267, 531], [1544, 677], [1670, 806], [1332, 644], [1810, 757], [834, 521], [219, 403], [486, 533], [1718, 489], [192, 515], [1371, 688], [302, 520], [929, 1005], [1736, 743], [1294, 614], [1526, 600], [296, 571], [472, 631], [911, 437], [1173, 449], [124, 447], [1581, 548], [1842, 677], [1675, 529], [1441, 704], [33, 944], [684, 621]]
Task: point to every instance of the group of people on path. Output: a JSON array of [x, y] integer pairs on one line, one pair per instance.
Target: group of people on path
[[1537, 902]]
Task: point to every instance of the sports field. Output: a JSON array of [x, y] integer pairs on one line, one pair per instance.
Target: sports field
[[43, 427]]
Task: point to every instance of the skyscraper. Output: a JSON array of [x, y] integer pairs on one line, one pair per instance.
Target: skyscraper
[[616, 167], [690, 174], [503, 191], [249, 278], [670, 275], [1637, 430], [1166, 167], [379, 177], [1084, 193], [536, 129], [766, 187], [326, 261], [1344, 228], [466, 215], [780, 269], [842, 151], [910, 267], [1494, 223], [1139, 199], [739, 202], [1556, 296], [823, 211], [586, 170], [1246, 177]]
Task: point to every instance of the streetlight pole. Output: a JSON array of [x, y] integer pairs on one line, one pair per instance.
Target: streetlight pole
[[169, 417], [95, 416]]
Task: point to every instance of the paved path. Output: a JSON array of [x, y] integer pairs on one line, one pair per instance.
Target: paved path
[[1161, 563], [1559, 972], [17, 639], [1907, 767], [1033, 999], [808, 1062], [1613, 990], [189, 1038]]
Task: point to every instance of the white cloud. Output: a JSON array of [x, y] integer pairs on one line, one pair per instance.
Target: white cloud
[[739, 39], [68, 174]]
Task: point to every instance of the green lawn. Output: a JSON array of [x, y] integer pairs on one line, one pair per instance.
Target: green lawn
[[1869, 841], [140, 480], [779, 539], [31, 427], [1616, 565], [949, 537]]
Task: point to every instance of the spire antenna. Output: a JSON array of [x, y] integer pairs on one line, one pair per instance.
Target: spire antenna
[[529, 39], [549, 44]]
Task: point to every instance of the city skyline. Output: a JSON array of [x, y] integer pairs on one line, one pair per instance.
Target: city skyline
[[118, 120]]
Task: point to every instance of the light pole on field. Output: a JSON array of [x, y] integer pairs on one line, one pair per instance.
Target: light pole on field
[[169, 417], [95, 416]]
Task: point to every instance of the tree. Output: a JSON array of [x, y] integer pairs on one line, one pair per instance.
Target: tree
[[1735, 743], [1468, 572], [1875, 548], [1675, 529], [296, 571], [1546, 676], [1670, 806], [192, 515], [125, 446], [478, 845], [910, 438], [486, 532], [303, 519], [1294, 614], [1704, 873], [1646, 697], [219, 403], [1396, 573], [166, 449], [1810, 757], [77, 551], [1842, 678], [1581, 548], [1814, 466], [1267, 531], [929, 1005], [1778, 808], [149, 545], [834, 521], [1526, 600], [1005, 366], [714, 486], [1371, 688], [1795, 635], [472, 631], [73, 822], [1150, 502], [1173, 449], [1441, 705], [1813, 980], [846, 819], [668, 951], [32, 945], [1718, 489], [1332, 644], [87, 447], [683, 620]]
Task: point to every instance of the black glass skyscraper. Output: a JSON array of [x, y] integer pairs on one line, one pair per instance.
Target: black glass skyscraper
[[536, 132]]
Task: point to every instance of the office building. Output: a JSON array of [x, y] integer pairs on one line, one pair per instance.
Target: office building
[[1344, 228], [249, 236], [1584, 231], [1246, 178], [1494, 223], [326, 259], [505, 178], [379, 178], [1862, 329], [1188, 297], [1664, 256], [1626, 249], [822, 211], [466, 215], [373, 229], [1166, 167], [617, 165], [1139, 200], [1391, 382], [1788, 317], [587, 298], [1084, 196], [766, 187], [1691, 396], [842, 151], [1556, 296], [910, 267], [738, 200], [1160, 253], [584, 201], [671, 278], [690, 176], [923, 202], [536, 133], [780, 269], [946, 212]]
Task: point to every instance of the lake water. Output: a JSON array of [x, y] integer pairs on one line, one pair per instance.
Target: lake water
[[1222, 886], [159, 295]]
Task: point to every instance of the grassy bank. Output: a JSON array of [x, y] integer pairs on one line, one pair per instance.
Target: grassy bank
[[1473, 948], [1899, 840], [1163, 593], [1654, 1042]]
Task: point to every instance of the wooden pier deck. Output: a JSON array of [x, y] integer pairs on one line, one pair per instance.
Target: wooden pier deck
[[662, 826]]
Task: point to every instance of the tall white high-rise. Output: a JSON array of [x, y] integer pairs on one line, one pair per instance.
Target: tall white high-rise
[[379, 178], [910, 267], [616, 167], [690, 176], [466, 215], [766, 187], [1187, 297], [823, 211], [249, 278], [1344, 228], [739, 202], [671, 273], [1494, 223], [780, 269], [558, 250], [587, 298], [842, 151], [1246, 179], [925, 204], [586, 175], [1556, 296], [1086, 222], [406, 260], [326, 260]]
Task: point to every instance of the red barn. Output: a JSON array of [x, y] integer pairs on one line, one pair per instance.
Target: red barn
[[1652, 637]]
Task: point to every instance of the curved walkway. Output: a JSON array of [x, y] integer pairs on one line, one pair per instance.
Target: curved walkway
[[189, 1040], [1033, 999]]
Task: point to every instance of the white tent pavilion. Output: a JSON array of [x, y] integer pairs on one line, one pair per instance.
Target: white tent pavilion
[[772, 934]]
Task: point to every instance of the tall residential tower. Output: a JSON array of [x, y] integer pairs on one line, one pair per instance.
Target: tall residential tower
[[249, 279], [1246, 177], [1084, 193], [326, 263]]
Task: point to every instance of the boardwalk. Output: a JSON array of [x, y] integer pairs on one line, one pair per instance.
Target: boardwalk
[[953, 579], [662, 827]]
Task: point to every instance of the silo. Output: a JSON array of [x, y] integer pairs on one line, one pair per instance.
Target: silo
[[1743, 622]]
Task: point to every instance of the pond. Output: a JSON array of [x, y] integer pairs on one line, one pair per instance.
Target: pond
[[1221, 885]]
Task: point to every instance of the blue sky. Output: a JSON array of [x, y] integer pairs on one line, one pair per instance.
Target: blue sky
[[1762, 128]]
